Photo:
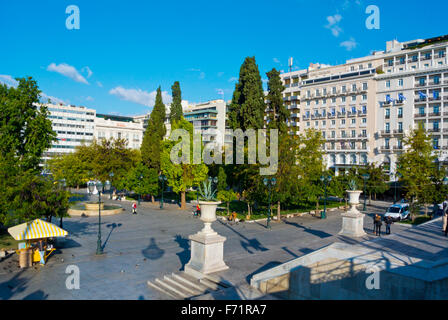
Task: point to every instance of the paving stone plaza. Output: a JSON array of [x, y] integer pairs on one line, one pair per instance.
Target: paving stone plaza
[[154, 243]]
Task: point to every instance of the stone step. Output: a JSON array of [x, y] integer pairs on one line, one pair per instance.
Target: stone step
[[165, 291], [218, 280], [178, 290], [191, 281], [211, 284], [185, 287]]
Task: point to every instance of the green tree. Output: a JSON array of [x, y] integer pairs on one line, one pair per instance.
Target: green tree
[[247, 107], [176, 106], [310, 166], [416, 167], [148, 184], [222, 179], [25, 133], [154, 134], [279, 114], [184, 175], [227, 196], [377, 182]]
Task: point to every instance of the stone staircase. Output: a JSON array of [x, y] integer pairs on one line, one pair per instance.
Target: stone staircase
[[181, 286]]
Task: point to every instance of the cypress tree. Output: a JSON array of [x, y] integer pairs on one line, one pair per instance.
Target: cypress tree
[[154, 134], [176, 106], [247, 106], [275, 100]]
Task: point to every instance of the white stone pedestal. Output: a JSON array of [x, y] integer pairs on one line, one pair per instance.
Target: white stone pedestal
[[353, 220], [207, 252]]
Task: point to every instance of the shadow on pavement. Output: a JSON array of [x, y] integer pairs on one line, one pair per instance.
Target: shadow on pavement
[[184, 255], [153, 252]]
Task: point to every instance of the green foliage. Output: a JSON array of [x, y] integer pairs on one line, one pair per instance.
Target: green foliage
[[279, 113], [25, 130], [377, 181], [176, 106], [222, 179], [417, 167], [207, 192], [25, 133], [181, 176], [352, 185], [96, 161], [227, 196], [148, 184], [154, 134], [247, 107]]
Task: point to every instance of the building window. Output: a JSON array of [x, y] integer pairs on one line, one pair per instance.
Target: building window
[[387, 113], [400, 82], [387, 127], [400, 112], [388, 84], [364, 97], [364, 86], [353, 98]]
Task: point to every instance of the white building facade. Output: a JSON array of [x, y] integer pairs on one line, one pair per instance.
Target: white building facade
[[73, 126], [119, 127]]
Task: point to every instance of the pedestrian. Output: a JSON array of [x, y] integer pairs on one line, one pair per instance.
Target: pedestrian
[[198, 210], [378, 224], [444, 216], [134, 208], [388, 222]]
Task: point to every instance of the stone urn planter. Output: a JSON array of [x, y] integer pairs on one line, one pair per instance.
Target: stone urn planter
[[207, 246], [353, 220]]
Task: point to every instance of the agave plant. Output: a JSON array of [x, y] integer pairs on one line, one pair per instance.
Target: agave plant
[[352, 185], [208, 193]]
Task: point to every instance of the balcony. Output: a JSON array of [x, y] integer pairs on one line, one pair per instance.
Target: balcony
[[399, 102], [434, 130], [398, 131], [421, 84], [385, 132], [341, 114], [385, 148], [420, 115], [351, 114], [330, 116], [398, 148], [362, 113], [420, 100], [434, 114]]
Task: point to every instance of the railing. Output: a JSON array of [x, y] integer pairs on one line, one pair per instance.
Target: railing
[[420, 115], [434, 114], [398, 131]]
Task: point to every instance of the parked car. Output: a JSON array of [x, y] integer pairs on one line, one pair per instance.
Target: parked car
[[399, 211]]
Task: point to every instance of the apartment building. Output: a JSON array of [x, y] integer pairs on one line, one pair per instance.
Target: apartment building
[[119, 127], [210, 118], [340, 102], [412, 90], [74, 125], [364, 107]]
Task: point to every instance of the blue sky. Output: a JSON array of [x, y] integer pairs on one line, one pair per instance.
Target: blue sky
[[125, 49]]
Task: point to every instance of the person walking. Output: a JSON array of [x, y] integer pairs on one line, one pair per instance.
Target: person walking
[[388, 222], [134, 208], [445, 216]]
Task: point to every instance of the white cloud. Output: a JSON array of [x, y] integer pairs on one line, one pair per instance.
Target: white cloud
[[202, 75], [8, 80], [139, 96], [87, 69], [349, 45], [220, 91], [68, 71], [44, 99], [333, 24], [194, 69], [89, 98], [233, 79], [99, 84], [276, 60], [11, 82]]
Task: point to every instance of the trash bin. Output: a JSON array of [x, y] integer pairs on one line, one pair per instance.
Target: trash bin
[[25, 258]]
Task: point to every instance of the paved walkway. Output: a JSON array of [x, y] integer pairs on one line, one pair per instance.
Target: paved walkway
[[154, 243]]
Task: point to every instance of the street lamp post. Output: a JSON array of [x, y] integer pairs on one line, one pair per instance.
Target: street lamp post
[[63, 184], [325, 180], [162, 178], [269, 182], [111, 175], [101, 188], [365, 176], [140, 178]]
